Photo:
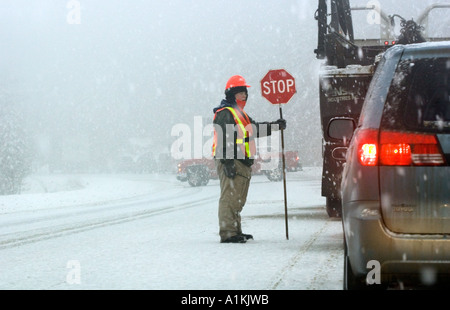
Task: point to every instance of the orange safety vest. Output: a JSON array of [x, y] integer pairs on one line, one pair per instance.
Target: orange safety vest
[[245, 132]]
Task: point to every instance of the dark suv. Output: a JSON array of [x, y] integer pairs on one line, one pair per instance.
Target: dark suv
[[396, 181]]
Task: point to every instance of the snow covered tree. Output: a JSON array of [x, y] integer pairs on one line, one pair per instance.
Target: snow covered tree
[[15, 159]]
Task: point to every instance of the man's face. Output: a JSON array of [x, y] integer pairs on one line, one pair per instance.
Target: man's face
[[242, 96]]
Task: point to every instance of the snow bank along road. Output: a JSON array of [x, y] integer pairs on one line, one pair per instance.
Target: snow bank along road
[[153, 232]]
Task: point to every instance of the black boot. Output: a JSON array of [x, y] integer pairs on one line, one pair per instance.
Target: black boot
[[247, 237], [235, 239]]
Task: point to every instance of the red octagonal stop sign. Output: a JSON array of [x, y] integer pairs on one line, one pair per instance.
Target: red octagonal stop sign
[[278, 86]]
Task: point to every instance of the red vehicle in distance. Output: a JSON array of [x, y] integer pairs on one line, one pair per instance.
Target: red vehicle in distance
[[198, 172]]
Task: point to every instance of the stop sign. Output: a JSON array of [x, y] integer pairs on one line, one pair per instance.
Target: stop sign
[[278, 86]]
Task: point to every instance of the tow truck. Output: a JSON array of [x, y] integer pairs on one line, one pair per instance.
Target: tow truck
[[346, 73]]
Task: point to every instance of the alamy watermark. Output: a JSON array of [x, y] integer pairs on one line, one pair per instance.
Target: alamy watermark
[[74, 274], [374, 16], [74, 14], [374, 275], [196, 142]]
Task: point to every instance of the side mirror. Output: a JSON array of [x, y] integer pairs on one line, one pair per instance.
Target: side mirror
[[341, 129]]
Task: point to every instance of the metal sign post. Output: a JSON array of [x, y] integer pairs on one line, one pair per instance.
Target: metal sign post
[[278, 86], [284, 179]]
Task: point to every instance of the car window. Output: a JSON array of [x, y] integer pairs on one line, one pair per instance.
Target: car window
[[419, 96]]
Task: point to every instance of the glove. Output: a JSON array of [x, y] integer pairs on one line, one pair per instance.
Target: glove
[[229, 168], [281, 123]]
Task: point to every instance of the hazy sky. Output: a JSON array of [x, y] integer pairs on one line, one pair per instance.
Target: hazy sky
[[117, 69]]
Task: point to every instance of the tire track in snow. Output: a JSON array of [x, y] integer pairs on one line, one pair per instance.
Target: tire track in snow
[[40, 234], [321, 274], [332, 264]]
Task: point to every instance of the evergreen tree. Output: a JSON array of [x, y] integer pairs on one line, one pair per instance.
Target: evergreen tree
[[15, 159]]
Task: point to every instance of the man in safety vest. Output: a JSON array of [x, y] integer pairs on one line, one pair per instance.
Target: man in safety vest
[[234, 150]]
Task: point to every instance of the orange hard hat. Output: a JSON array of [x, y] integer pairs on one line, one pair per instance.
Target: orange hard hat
[[236, 81]]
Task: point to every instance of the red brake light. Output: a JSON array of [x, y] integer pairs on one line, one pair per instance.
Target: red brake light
[[395, 154], [398, 149], [368, 154], [366, 142], [405, 149]]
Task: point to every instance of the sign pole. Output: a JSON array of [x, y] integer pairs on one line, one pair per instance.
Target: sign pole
[[278, 87], [284, 178]]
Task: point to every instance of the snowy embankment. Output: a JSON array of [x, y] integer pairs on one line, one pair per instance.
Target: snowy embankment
[[60, 190]]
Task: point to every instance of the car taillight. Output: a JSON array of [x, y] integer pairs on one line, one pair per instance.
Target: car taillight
[[404, 149], [398, 149], [366, 141], [395, 154]]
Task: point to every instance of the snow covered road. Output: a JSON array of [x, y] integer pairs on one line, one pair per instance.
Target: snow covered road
[[154, 232]]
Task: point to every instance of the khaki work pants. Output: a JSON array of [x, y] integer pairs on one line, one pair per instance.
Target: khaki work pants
[[233, 195]]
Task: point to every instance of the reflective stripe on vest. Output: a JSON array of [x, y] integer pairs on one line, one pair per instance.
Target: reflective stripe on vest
[[245, 139]]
